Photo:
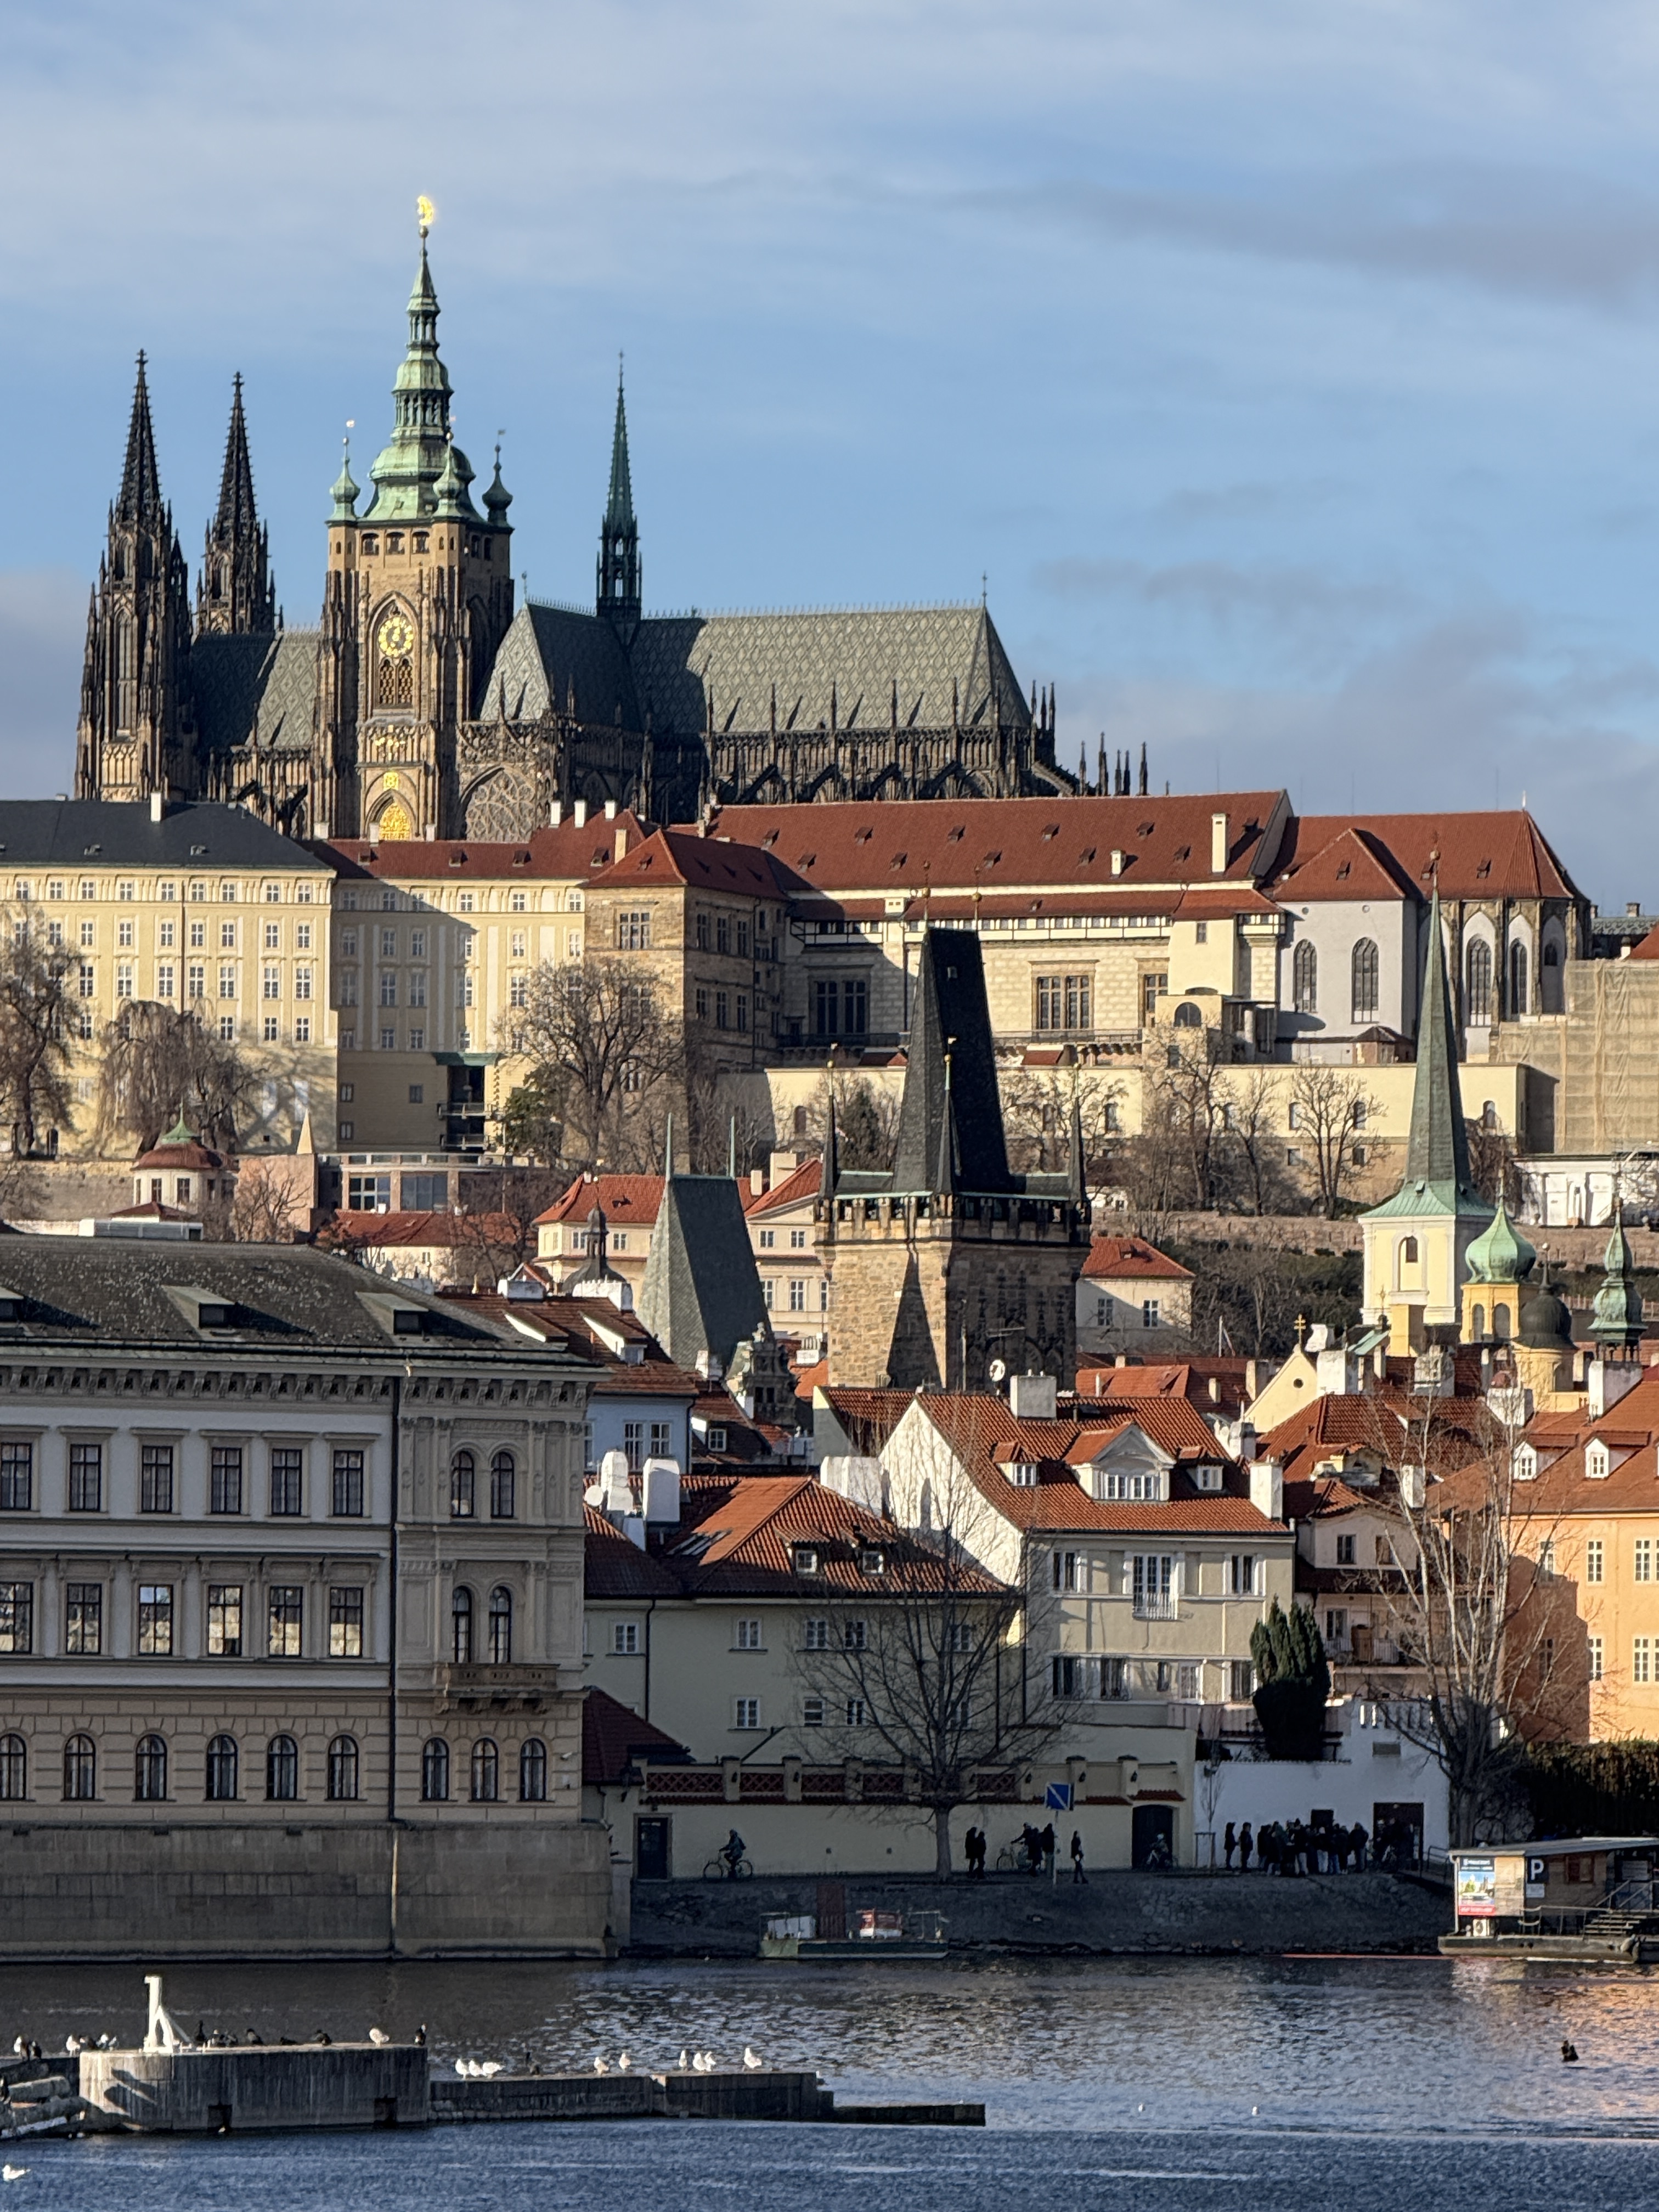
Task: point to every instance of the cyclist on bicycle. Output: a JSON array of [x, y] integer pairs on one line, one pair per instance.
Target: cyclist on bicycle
[[732, 1852]]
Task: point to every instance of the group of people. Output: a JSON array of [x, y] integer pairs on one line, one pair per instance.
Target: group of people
[[1289, 1847], [1037, 1848]]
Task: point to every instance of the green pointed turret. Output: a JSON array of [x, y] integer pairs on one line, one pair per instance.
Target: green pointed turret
[[1617, 1323], [407, 471], [618, 593], [344, 492], [1500, 1253]]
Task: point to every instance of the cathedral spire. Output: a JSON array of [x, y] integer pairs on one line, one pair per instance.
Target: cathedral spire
[[235, 593], [618, 592], [140, 499]]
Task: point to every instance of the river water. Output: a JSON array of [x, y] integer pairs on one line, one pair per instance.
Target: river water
[[1195, 2085]]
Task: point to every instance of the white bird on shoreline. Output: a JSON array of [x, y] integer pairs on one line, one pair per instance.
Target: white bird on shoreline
[[685, 2060], [490, 2070], [623, 2063], [601, 2063], [379, 2035], [12, 2172], [750, 2064]]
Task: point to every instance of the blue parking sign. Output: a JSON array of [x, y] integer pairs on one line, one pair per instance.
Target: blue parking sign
[[1058, 1797]]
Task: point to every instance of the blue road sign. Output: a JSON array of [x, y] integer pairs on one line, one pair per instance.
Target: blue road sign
[[1058, 1798]]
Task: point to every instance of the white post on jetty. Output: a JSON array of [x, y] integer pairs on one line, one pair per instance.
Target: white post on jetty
[[162, 2033]]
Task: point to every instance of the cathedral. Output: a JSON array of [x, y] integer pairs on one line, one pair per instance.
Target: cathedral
[[424, 704]]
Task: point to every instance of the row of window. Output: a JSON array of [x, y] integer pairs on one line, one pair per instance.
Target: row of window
[[484, 1771], [855, 1712], [348, 981], [768, 1239], [158, 1485], [722, 932], [166, 936], [197, 891], [748, 1634], [387, 1037], [1156, 1580], [1089, 1676], [1644, 1659], [155, 1614], [222, 1770], [798, 1292], [498, 1626], [1595, 1560], [1363, 980], [641, 1440], [1151, 1313], [393, 901]]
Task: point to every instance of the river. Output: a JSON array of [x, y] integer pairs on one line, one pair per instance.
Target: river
[[1193, 2084]]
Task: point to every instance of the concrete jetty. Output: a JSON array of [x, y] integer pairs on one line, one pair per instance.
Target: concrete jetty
[[265, 2087]]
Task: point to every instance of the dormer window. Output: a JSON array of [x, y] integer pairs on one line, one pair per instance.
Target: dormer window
[[1022, 1473], [872, 1560], [1598, 1462], [1525, 1464], [1206, 1476], [1134, 1485], [805, 1559]]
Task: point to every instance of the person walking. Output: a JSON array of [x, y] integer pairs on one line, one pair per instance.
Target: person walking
[[1246, 1845], [1228, 1845], [1077, 1874]]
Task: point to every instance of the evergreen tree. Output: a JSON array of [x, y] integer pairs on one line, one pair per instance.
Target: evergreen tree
[[1294, 1677]]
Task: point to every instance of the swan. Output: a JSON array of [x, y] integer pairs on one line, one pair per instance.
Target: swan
[[379, 2035], [752, 2064], [601, 2063]]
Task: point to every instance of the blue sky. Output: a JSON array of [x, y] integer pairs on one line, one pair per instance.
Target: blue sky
[[1289, 371]]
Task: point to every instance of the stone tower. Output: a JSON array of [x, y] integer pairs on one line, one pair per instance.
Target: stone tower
[[134, 733], [619, 585], [951, 1261], [234, 594], [418, 598]]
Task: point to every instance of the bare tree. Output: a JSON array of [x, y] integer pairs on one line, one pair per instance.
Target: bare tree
[[601, 1044], [34, 1045], [1256, 1143], [1036, 1114], [500, 1207], [1177, 1160], [1330, 1109], [158, 1062], [1494, 1168], [866, 1120]]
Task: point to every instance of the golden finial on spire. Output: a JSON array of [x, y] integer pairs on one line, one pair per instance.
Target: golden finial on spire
[[425, 212]]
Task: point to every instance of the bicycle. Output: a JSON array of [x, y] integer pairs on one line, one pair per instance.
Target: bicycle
[[721, 1869]]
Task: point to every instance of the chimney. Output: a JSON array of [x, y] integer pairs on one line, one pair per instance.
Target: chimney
[[609, 809], [1267, 1487], [1031, 1397], [158, 805], [556, 813], [579, 812], [1117, 860], [621, 840], [780, 1164], [1219, 841], [757, 1182], [1633, 908]]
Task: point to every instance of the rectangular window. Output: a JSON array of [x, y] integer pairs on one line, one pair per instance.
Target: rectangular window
[[1344, 1551], [1063, 1567], [749, 1636], [661, 1439], [1150, 1312], [196, 977], [1641, 1666], [633, 931], [1593, 1650], [348, 1484], [1153, 1585], [625, 1639], [388, 944], [369, 1194], [1240, 1681], [1593, 1561], [83, 1620], [723, 932], [16, 1617], [797, 1294], [388, 986], [811, 1712], [742, 1012], [271, 985], [722, 1010], [156, 1479], [817, 1636], [225, 1479], [858, 1712], [1644, 1558], [273, 936], [345, 1622], [287, 1472], [224, 1620], [633, 1444], [164, 980], [283, 1616], [417, 987], [826, 1004], [16, 1477], [123, 979], [226, 980], [154, 1621], [86, 1479], [88, 979], [746, 1713]]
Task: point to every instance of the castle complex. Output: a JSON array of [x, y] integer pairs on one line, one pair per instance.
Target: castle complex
[[425, 704]]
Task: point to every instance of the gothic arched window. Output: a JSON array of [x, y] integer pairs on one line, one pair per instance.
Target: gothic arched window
[[532, 1771], [80, 1769], [1365, 980], [149, 1770], [1304, 979], [342, 1768], [1518, 980], [435, 1771], [1478, 996], [282, 1769], [394, 659]]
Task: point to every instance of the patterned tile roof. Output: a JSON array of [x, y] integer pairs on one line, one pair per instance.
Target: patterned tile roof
[[262, 690], [859, 655], [1113, 1256], [550, 654]]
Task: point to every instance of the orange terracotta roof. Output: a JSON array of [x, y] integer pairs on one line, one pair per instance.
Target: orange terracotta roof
[[614, 1567], [1131, 1255], [799, 1187], [626, 1200], [1649, 947], [1486, 855], [571, 851], [582, 1327], [992, 844], [869, 1417], [477, 1232], [747, 1544], [681, 856], [175, 1160]]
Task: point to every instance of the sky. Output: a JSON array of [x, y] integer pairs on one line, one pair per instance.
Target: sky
[[1286, 372]]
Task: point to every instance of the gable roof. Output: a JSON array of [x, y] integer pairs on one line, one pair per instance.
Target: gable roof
[[615, 1567], [681, 856], [799, 1187], [1111, 1257], [253, 690], [1352, 865], [615, 1739], [569, 850], [950, 1122], [1480, 856], [552, 656], [746, 1543], [627, 1201]]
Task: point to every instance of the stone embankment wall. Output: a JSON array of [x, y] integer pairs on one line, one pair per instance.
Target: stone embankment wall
[[1573, 1248], [1112, 1912], [511, 1890]]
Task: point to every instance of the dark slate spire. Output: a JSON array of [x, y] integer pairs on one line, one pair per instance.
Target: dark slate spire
[[140, 499], [950, 1131], [235, 593], [1437, 1147], [619, 589]]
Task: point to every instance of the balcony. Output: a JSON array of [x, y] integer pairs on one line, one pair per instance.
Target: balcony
[[1148, 1607], [471, 1687]]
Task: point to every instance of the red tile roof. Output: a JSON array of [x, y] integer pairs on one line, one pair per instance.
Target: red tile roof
[[1131, 1255], [569, 851], [615, 1568], [615, 1739], [868, 1417], [1337, 1422], [478, 1232], [626, 1200], [1497, 856], [1220, 1385], [799, 1187], [991, 844], [581, 1326], [1351, 865], [681, 856], [746, 1544]]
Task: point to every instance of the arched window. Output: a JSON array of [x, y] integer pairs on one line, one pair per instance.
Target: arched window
[[1549, 978], [1304, 979], [501, 1627], [435, 1771], [460, 1626], [1478, 996], [1186, 1016], [342, 1769], [486, 1772], [1408, 1252], [14, 1767], [80, 1769], [462, 1502], [149, 1770], [503, 1482], [532, 1771], [1477, 1322], [222, 1762], [1518, 980], [281, 1770], [1365, 980]]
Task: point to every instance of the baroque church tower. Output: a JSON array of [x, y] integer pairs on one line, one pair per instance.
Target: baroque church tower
[[134, 732], [234, 594], [418, 598]]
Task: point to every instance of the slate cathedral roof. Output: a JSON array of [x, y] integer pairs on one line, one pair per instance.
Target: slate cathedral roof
[[257, 689]]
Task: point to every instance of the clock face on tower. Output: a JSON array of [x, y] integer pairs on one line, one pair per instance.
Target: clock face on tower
[[396, 635]]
